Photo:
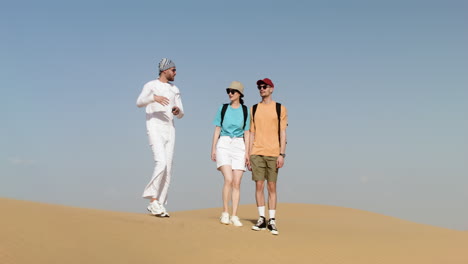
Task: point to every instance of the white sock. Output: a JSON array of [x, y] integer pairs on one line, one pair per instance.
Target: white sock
[[261, 211], [272, 213]]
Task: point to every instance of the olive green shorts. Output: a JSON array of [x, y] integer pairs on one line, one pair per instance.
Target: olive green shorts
[[264, 168]]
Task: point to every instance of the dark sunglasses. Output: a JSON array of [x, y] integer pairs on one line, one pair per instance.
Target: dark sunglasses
[[230, 91], [262, 87]]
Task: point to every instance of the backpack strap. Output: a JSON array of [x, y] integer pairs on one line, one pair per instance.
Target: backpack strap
[[254, 109], [224, 109], [246, 112], [223, 112], [278, 112]]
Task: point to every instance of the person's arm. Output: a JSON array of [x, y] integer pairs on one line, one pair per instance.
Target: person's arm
[[247, 147], [283, 125], [216, 133], [280, 160], [178, 109], [252, 138], [247, 139], [147, 97]]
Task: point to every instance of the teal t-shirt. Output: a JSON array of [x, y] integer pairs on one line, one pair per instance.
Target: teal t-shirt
[[233, 121]]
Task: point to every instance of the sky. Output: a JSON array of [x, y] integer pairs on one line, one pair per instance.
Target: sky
[[376, 93]]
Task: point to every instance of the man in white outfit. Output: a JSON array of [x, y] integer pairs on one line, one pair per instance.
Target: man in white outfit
[[162, 101]]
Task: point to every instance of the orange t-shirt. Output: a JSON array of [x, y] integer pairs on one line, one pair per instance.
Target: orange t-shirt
[[265, 126]]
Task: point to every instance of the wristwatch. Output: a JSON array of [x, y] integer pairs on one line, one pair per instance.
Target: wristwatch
[[283, 155]]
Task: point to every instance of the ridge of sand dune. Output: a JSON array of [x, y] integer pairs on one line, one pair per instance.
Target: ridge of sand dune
[[39, 233]]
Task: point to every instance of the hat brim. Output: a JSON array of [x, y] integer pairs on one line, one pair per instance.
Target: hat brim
[[263, 82], [235, 89]]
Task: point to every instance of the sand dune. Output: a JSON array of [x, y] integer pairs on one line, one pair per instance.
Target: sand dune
[[41, 233]]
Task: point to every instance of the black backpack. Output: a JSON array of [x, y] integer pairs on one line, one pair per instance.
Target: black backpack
[[223, 112], [278, 113]]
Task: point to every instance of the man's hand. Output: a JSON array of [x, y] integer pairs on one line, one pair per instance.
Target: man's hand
[[161, 99], [280, 162], [175, 110]]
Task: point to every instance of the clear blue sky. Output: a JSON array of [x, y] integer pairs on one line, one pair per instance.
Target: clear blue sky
[[377, 95]]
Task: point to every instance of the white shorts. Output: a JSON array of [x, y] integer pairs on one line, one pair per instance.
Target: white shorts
[[230, 151]]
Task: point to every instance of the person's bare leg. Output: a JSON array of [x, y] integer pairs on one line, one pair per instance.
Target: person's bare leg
[[271, 195], [259, 193], [226, 170], [237, 177]]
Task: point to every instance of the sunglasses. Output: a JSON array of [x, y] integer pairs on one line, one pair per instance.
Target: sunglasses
[[231, 91], [262, 87]]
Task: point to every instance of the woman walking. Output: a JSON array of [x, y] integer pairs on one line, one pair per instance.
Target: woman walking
[[230, 148]]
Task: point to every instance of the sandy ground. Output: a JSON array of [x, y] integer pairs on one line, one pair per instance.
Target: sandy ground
[[41, 233]]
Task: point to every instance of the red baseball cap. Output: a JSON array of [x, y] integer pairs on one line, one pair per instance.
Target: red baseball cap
[[266, 81]]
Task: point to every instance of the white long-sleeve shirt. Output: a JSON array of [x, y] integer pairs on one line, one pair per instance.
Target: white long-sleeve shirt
[[157, 113]]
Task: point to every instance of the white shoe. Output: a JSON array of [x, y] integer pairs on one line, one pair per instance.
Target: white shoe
[[155, 208], [224, 219], [164, 213], [235, 221]]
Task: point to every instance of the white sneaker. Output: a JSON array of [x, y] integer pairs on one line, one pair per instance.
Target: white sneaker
[[165, 213], [235, 221], [155, 208], [224, 219]]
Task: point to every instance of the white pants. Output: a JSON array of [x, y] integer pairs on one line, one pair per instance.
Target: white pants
[[161, 139]]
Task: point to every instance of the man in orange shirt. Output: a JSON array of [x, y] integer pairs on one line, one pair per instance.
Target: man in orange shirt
[[268, 123]]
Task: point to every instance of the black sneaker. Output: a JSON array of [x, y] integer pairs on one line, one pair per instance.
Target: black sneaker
[[272, 226], [261, 224]]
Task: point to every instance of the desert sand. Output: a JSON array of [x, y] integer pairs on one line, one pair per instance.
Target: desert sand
[[41, 233]]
